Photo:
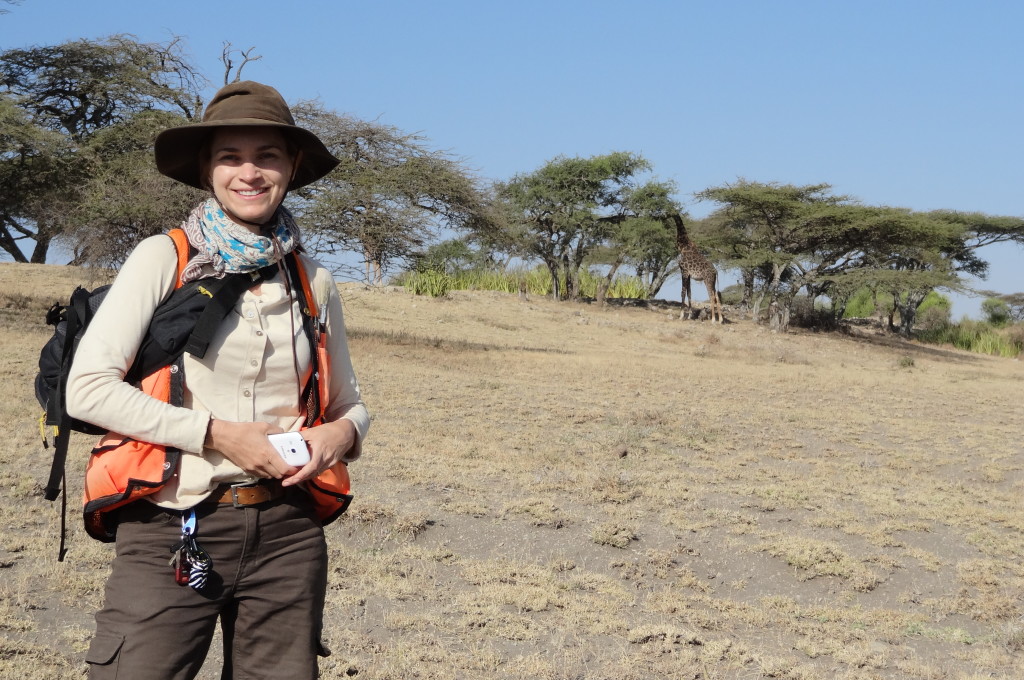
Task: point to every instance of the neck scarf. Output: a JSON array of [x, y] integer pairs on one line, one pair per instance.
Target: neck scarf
[[224, 247]]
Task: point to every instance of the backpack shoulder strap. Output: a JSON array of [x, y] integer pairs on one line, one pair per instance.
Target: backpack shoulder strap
[[317, 391], [183, 248], [222, 294], [311, 309]]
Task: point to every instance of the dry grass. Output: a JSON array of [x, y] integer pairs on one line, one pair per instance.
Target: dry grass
[[558, 491]]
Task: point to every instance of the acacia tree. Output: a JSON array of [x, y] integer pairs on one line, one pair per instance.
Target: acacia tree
[[643, 244], [641, 239], [906, 255], [945, 248], [568, 208], [33, 161], [790, 238], [389, 195], [73, 90], [124, 199], [774, 229], [891, 251], [1011, 303], [806, 238]]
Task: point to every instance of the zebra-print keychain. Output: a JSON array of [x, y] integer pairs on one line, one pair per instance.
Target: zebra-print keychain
[[191, 563]]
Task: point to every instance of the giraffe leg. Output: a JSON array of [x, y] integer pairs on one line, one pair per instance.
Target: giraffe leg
[[686, 295], [714, 301]]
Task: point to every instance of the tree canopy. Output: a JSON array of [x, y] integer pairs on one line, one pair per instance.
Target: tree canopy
[[571, 207], [806, 238], [123, 198], [389, 196], [55, 99]]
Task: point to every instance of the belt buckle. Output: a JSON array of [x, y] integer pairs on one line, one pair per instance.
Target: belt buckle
[[234, 493]]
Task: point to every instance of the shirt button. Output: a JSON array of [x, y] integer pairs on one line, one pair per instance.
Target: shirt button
[[254, 362], [259, 332], [249, 315], [247, 393]]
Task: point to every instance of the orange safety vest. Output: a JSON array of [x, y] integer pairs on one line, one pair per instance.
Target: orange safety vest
[[122, 470]]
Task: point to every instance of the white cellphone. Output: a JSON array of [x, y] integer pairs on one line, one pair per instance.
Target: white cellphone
[[291, 446]]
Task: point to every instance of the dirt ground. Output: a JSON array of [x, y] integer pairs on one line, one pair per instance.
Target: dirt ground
[[561, 491]]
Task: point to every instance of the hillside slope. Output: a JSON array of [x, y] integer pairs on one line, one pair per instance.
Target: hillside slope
[[561, 491]]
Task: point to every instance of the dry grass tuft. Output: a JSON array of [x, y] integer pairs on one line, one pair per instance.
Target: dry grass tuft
[[614, 534]]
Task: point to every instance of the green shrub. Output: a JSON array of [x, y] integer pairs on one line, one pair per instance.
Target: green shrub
[[997, 311], [979, 336], [861, 304], [536, 281], [432, 283], [933, 318], [934, 300], [628, 287]]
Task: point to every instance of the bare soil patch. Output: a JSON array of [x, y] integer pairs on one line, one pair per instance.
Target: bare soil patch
[[564, 491]]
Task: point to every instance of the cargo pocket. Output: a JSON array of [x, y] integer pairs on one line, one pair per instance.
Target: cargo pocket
[[103, 655]]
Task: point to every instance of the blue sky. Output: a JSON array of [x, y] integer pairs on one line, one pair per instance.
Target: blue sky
[[909, 103]]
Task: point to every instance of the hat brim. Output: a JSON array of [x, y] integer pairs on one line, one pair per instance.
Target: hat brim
[[177, 151]]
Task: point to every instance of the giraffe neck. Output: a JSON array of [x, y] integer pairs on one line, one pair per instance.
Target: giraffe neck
[[683, 241]]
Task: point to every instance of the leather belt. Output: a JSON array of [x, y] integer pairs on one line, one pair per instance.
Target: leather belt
[[244, 495]]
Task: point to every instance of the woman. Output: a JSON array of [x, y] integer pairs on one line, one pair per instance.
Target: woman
[[231, 498]]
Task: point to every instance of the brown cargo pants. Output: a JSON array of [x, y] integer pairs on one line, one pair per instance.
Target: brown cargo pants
[[267, 587]]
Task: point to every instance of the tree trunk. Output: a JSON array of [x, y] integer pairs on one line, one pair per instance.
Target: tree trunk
[[778, 315], [779, 307], [815, 292], [374, 266], [908, 311], [755, 312], [556, 293], [572, 285], [657, 281], [773, 316], [40, 250], [604, 284], [748, 286], [374, 273], [572, 278], [10, 246]]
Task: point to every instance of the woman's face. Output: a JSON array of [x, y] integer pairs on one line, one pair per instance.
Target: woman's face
[[250, 169]]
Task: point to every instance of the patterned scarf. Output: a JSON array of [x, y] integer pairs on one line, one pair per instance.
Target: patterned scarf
[[227, 248]]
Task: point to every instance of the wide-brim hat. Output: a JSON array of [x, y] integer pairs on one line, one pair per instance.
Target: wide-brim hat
[[241, 104]]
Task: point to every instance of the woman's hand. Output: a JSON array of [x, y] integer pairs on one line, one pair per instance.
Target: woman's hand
[[328, 444], [246, 445]]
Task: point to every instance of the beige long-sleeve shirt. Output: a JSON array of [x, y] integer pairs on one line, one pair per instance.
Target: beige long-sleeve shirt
[[253, 370]]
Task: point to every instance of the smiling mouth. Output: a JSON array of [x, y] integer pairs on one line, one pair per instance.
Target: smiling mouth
[[250, 193]]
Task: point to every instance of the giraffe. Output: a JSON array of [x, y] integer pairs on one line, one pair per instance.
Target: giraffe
[[693, 265]]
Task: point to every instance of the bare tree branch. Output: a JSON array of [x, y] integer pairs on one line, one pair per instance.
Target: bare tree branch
[[229, 64]]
